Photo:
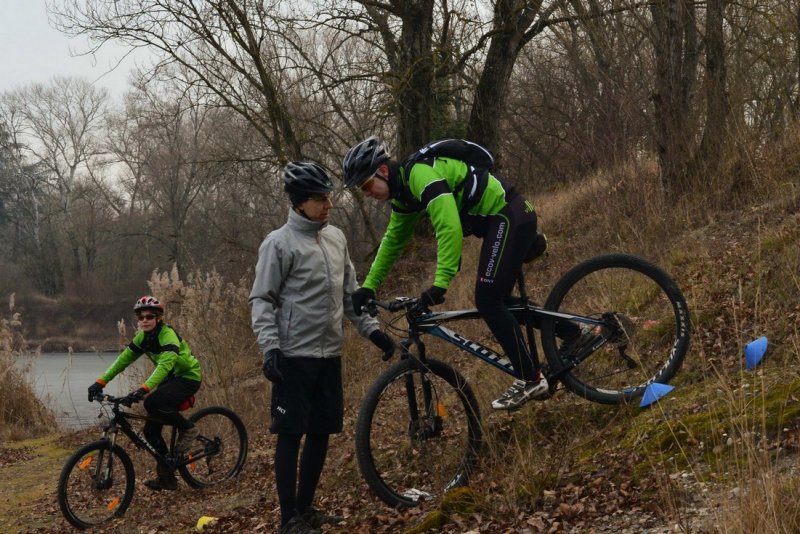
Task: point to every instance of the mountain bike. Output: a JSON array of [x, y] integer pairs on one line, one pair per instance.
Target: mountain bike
[[97, 481], [419, 433]]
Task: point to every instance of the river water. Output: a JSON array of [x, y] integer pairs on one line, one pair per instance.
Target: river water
[[60, 380]]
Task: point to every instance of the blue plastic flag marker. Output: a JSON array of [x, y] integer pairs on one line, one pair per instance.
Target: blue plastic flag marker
[[754, 351], [653, 392]]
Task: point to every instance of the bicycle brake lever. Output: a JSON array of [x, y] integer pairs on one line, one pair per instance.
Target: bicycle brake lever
[[371, 308]]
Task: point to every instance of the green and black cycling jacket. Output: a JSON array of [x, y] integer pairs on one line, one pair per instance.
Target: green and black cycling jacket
[[169, 353], [457, 199]]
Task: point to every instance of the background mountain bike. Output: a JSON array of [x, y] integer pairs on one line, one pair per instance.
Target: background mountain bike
[[97, 481], [419, 431]]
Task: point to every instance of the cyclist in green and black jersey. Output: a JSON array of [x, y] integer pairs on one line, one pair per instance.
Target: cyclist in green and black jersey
[[460, 200], [174, 380]]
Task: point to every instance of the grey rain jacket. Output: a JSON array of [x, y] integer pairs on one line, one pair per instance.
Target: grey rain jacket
[[303, 278]]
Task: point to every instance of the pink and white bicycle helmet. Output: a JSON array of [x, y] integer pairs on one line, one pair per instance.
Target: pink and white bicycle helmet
[[148, 302]]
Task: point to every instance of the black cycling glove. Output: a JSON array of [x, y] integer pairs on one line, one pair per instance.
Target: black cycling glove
[[135, 396], [384, 342], [360, 298], [95, 390], [432, 295], [271, 366]]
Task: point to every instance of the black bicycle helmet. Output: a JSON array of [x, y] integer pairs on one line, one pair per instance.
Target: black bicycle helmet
[[363, 160], [306, 178]]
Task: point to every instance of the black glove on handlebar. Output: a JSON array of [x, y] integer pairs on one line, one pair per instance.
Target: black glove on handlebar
[[384, 342], [135, 396], [360, 298], [271, 366], [432, 295], [95, 390]]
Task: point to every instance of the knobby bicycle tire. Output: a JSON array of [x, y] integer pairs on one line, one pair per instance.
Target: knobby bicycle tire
[[408, 462], [654, 318], [220, 449], [82, 502]]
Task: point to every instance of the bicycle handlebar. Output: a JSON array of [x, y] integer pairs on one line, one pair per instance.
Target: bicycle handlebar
[[398, 304], [111, 399]]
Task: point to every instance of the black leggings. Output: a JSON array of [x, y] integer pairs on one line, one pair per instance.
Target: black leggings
[[164, 403], [296, 490], [508, 237]]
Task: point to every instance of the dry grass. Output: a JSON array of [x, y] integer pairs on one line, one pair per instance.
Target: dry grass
[[725, 440], [21, 413], [214, 317], [732, 245]]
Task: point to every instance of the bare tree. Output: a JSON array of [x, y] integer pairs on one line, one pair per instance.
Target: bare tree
[[59, 127], [225, 46], [174, 125], [715, 135], [26, 207], [675, 44]]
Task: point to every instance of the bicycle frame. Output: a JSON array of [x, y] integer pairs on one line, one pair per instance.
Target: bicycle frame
[[527, 314], [120, 420]]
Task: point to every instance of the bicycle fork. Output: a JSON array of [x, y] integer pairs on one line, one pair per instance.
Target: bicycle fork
[[102, 475], [430, 425]]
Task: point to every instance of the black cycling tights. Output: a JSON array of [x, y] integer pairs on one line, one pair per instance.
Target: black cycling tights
[[164, 402], [506, 241], [296, 488]]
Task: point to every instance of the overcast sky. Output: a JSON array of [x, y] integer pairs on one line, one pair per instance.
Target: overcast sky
[[33, 52]]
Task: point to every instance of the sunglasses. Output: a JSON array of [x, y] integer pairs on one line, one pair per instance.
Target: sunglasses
[[146, 316], [367, 183]]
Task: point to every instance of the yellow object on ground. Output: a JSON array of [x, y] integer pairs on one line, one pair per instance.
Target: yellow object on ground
[[205, 520]]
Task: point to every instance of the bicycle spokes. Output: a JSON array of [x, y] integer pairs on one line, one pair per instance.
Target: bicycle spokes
[[423, 434], [643, 320], [96, 485], [219, 452]]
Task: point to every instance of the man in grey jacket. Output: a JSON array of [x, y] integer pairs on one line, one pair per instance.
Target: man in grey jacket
[[303, 287]]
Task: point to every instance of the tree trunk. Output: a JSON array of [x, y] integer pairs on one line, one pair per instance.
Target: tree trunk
[[675, 47], [715, 134], [414, 95], [512, 19]]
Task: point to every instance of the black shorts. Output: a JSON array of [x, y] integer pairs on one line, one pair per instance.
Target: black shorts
[[310, 399]]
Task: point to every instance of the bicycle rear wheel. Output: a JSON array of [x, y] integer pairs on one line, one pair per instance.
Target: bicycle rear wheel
[[418, 432], [96, 484], [219, 452], [645, 327]]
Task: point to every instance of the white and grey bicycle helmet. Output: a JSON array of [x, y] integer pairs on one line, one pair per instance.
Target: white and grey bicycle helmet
[[363, 160], [306, 178], [148, 302]]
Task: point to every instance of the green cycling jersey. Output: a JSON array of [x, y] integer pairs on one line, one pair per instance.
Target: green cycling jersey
[[166, 349], [455, 196]]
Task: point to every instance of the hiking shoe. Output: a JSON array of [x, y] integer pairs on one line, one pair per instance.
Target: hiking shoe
[[164, 481], [571, 347], [521, 392], [297, 525], [186, 438], [316, 519]]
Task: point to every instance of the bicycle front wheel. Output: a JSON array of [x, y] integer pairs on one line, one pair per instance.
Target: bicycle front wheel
[[219, 452], [643, 325], [418, 432], [96, 484]]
